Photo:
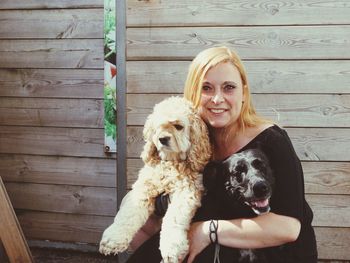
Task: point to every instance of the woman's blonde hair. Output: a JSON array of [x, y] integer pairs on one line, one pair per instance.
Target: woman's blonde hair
[[200, 65]]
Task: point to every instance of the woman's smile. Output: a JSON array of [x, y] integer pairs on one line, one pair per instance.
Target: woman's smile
[[217, 111]]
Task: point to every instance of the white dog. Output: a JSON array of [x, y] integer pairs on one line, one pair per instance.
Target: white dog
[[177, 149]]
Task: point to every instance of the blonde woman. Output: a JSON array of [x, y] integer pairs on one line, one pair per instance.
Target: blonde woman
[[217, 85]]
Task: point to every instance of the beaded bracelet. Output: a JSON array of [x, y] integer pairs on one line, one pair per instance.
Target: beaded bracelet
[[213, 231]]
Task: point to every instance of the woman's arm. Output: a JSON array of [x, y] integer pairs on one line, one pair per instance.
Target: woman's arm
[[151, 227], [263, 231]]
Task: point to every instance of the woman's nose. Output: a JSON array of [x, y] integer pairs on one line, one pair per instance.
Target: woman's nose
[[217, 98]]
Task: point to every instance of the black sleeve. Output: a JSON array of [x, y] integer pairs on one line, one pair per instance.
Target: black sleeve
[[288, 193]]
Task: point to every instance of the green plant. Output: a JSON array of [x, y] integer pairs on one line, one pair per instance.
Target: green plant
[[110, 111], [109, 27]]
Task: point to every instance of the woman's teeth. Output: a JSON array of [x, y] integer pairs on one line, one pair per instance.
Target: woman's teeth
[[216, 111]]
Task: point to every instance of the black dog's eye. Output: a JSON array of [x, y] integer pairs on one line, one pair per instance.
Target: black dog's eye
[[239, 177], [259, 165], [178, 127], [241, 167]]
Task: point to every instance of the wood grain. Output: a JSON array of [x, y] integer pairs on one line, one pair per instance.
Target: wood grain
[[63, 227], [43, 4], [327, 177], [333, 243], [63, 53], [51, 83], [279, 77], [73, 23], [219, 13], [11, 234], [277, 42], [58, 170], [79, 142], [330, 210], [63, 198], [87, 113], [326, 144]]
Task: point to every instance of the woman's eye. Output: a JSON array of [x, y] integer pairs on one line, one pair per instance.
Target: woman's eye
[[229, 87], [178, 127], [206, 88]]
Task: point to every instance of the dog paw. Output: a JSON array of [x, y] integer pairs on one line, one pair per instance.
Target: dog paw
[[113, 242], [170, 260], [174, 252], [112, 246]]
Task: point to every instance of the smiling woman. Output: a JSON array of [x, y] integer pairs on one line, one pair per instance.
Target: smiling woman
[[273, 225]]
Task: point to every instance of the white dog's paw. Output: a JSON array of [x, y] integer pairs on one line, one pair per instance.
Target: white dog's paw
[[174, 250], [113, 242], [110, 246], [171, 260]]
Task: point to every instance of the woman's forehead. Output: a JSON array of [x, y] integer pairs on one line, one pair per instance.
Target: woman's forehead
[[223, 71]]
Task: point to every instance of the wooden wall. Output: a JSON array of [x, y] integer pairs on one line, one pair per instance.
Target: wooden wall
[[51, 111], [297, 57], [59, 179]]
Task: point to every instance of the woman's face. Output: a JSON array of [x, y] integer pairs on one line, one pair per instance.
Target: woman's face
[[222, 95]]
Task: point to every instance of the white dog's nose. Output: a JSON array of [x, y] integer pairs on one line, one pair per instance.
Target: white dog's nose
[[164, 140]]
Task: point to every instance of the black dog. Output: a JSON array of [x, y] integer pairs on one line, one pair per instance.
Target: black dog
[[242, 182], [248, 177]]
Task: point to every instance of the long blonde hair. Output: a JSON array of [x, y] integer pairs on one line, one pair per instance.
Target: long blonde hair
[[200, 65]]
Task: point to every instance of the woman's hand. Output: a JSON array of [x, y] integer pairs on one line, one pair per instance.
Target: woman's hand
[[199, 239]]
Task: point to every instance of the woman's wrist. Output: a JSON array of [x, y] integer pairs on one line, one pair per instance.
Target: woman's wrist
[[213, 231]]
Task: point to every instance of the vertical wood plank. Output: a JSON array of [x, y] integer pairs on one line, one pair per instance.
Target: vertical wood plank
[[10, 231], [121, 107], [121, 100]]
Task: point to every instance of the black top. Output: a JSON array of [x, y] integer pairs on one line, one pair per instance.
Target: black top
[[287, 198]]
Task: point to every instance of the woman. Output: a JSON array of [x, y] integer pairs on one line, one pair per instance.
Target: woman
[[217, 85]]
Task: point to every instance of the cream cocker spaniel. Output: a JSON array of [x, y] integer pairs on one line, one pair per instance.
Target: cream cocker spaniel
[[177, 149]]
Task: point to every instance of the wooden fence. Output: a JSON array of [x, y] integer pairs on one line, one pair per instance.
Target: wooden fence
[[60, 181]]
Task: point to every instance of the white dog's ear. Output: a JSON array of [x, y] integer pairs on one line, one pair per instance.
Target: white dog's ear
[[200, 150], [149, 154]]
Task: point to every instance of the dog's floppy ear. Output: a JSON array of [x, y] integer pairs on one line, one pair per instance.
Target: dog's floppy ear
[[210, 175], [200, 150], [149, 154]]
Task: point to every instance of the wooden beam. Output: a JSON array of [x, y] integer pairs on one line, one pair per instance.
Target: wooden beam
[[121, 100], [10, 231]]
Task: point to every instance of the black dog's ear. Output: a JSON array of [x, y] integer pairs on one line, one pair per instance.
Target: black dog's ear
[[210, 175]]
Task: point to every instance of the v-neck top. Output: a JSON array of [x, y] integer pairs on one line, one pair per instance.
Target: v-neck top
[[287, 198]]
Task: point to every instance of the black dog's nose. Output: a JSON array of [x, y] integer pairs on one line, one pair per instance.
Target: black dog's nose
[[164, 140], [260, 189]]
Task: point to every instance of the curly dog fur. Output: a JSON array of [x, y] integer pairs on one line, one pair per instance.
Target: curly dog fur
[[176, 150]]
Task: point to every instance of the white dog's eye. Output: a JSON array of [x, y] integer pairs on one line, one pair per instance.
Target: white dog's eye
[[178, 127]]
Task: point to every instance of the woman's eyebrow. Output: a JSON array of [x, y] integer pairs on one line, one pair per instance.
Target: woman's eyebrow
[[230, 82]]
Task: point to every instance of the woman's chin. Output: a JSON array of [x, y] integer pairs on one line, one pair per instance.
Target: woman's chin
[[217, 124]]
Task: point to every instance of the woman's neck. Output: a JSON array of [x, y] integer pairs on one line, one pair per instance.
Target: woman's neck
[[225, 142]]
